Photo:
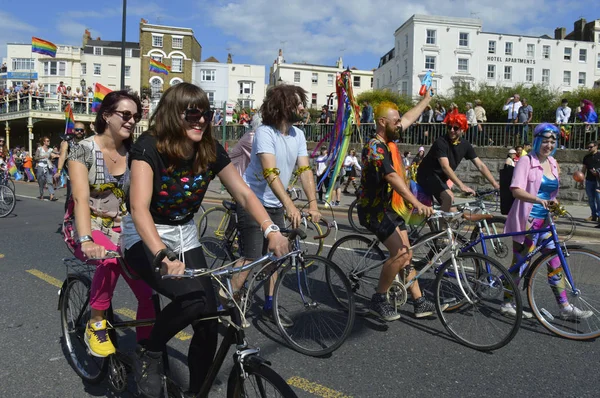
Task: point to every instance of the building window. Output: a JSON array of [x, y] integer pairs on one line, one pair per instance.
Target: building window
[[296, 77], [546, 76], [55, 68], [207, 75], [546, 52], [371, 82], [491, 71], [463, 39], [127, 71], [582, 55], [246, 88], [508, 73], [530, 50], [315, 78], [177, 64], [97, 50], [404, 90], [405, 66], [129, 52], [313, 99], [581, 79], [211, 98], [434, 85], [463, 65], [356, 81], [492, 47], [508, 47], [567, 77], [430, 62], [431, 36], [177, 42], [155, 87], [567, 56], [529, 75], [84, 68], [157, 41], [23, 64], [330, 80], [156, 58], [97, 69], [406, 40]]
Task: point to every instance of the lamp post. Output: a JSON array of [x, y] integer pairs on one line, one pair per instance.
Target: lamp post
[[123, 35]]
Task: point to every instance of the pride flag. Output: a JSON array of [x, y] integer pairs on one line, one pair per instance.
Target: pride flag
[[70, 120], [99, 93], [43, 47], [159, 67]]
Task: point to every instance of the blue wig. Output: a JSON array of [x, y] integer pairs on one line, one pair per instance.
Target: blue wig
[[540, 131]]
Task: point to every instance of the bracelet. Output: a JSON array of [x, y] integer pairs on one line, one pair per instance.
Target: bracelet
[[268, 219], [301, 170], [270, 171], [84, 238]]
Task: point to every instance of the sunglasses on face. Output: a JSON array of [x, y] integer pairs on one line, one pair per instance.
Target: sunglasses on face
[[126, 116], [455, 128], [193, 115], [78, 130]]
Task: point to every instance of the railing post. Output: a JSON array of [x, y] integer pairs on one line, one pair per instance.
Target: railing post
[[30, 108], [18, 100]]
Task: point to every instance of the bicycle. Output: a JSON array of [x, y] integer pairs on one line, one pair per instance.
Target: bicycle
[[249, 372], [311, 291], [7, 200], [469, 283], [294, 192], [7, 180]]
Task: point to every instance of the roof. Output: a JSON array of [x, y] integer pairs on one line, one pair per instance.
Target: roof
[[109, 43], [211, 59]]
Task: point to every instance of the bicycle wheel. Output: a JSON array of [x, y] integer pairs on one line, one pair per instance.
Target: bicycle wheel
[[319, 302], [565, 226], [360, 259], [215, 252], [498, 248], [9, 182], [492, 202], [310, 245], [475, 320], [201, 221], [259, 381], [74, 316], [7, 201], [584, 266], [353, 219], [214, 222]]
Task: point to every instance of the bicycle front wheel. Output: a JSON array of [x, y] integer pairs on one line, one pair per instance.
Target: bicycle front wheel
[[214, 222], [259, 381], [473, 315], [548, 285], [7, 200], [310, 245], [353, 219], [215, 252], [74, 316], [318, 301]]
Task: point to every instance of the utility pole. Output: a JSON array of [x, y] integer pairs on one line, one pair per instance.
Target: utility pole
[[123, 37]]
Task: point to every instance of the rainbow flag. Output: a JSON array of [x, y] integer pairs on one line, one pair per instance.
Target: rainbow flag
[[99, 93], [159, 67], [12, 166], [70, 120], [43, 47]]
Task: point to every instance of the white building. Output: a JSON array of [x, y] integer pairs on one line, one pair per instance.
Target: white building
[[318, 80], [241, 84], [459, 52]]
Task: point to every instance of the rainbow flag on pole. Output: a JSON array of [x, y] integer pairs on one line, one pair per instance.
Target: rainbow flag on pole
[[99, 93], [159, 67], [70, 120], [43, 47]]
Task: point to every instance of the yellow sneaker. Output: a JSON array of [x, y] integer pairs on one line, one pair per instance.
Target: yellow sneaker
[[98, 340]]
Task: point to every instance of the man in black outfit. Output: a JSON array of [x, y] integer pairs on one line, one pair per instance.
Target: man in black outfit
[[443, 158], [591, 165]]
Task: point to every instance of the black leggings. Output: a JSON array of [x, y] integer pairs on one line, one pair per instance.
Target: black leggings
[[191, 298]]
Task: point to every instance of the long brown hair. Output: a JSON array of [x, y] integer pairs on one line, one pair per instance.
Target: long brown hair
[[280, 104], [167, 126]]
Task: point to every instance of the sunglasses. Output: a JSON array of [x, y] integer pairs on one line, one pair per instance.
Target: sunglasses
[[455, 128], [193, 115], [126, 116], [81, 130]]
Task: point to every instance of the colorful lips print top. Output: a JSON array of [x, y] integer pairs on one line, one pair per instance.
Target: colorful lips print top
[[176, 195]]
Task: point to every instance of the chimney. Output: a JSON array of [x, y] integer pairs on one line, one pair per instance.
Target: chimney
[[86, 37], [560, 33], [578, 28]]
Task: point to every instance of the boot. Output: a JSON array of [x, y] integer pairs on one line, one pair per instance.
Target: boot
[[148, 372]]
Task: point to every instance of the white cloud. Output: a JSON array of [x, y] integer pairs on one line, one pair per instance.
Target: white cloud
[[13, 30]]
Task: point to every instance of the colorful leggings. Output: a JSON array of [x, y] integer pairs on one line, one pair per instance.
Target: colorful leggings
[[105, 280], [555, 275]]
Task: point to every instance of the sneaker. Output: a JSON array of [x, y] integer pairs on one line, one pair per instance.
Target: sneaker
[[509, 310], [97, 339], [383, 309], [269, 315], [573, 313], [424, 307], [148, 372]]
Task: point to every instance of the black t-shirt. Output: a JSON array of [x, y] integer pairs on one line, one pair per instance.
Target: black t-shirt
[[591, 161], [443, 148], [176, 196]]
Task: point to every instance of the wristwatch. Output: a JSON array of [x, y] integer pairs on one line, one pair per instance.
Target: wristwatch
[[271, 228]]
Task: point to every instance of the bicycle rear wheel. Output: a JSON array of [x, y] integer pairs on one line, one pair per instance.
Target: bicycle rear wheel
[[479, 323], [320, 303], [542, 291], [214, 223], [74, 316], [215, 252], [353, 219], [358, 257], [310, 245], [259, 381], [7, 200]]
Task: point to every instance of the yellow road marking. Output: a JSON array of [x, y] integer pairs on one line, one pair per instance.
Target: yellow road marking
[[45, 277], [1, 255], [314, 388], [131, 314]]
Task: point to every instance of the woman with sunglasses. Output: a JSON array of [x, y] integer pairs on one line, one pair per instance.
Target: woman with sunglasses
[[99, 174], [534, 186], [44, 156], [171, 166]]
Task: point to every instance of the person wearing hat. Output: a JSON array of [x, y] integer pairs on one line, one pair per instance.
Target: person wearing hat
[[510, 159]]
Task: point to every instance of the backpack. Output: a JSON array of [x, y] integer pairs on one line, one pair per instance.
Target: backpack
[[506, 196]]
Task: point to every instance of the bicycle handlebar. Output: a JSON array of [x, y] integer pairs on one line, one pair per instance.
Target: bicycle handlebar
[[109, 255], [323, 220]]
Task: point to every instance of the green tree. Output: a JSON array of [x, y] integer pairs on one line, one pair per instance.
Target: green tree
[[375, 97]]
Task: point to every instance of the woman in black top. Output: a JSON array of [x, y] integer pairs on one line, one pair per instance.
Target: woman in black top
[[171, 167]]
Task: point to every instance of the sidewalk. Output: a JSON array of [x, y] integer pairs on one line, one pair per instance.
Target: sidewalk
[[214, 195]]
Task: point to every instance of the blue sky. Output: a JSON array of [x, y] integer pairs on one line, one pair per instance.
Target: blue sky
[[313, 31]]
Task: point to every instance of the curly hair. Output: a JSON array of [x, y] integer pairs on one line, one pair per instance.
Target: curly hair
[[281, 103], [456, 119]]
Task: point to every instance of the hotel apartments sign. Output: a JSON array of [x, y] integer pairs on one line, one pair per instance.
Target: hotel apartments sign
[[511, 60]]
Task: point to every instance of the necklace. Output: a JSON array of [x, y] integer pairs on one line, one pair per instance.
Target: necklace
[[111, 158]]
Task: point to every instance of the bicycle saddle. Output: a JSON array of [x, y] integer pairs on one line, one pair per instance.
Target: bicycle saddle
[[230, 205]]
